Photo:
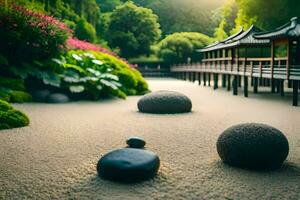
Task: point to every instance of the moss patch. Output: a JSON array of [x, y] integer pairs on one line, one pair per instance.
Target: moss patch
[[10, 117]]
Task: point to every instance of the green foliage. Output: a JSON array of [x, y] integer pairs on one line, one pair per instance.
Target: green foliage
[[13, 84], [11, 118], [14, 96], [20, 97], [100, 74], [133, 29], [226, 16], [184, 16], [268, 14], [178, 47], [85, 73], [243, 20], [13, 90], [5, 106], [4, 96], [108, 5], [237, 13], [85, 31], [26, 36]]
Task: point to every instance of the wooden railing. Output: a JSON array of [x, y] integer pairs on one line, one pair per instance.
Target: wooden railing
[[254, 67]]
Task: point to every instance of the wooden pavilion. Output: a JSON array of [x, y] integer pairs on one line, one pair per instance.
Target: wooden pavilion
[[266, 58]]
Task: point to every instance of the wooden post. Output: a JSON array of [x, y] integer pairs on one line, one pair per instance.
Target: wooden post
[[278, 85], [204, 78], [272, 67], [224, 80], [199, 78], [282, 88], [255, 85], [245, 86], [235, 85], [190, 76], [228, 82], [288, 60], [273, 85], [216, 81], [290, 84], [209, 77], [295, 92], [240, 81], [194, 76]]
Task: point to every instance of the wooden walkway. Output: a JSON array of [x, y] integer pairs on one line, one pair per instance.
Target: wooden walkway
[[258, 71]]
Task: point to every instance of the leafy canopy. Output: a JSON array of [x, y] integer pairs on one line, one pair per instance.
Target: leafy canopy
[[178, 47], [133, 29]]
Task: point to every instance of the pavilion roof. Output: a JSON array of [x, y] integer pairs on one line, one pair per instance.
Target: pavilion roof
[[289, 30], [240, 38], [218, 45]]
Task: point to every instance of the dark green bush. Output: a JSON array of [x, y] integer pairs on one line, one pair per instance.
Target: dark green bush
[[15, 96], [11, 118], [13, 84], [20, 97], [4, 106], [4, 96], [85, 31]]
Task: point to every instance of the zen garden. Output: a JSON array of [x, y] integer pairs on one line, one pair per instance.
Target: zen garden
[[149, 99]]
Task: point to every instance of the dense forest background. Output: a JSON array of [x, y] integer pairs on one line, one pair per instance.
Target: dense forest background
[[146, 28]]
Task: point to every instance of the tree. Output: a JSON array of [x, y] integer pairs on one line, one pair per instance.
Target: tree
[[108, 5], [85, 31], [178, 47], [267, 14], [133, 29]]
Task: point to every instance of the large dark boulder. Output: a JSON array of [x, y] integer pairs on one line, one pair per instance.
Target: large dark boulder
[[57, 98], [253, 146], [165, 102], [128, 165]]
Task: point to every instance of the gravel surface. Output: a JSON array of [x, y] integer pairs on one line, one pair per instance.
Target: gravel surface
[[56, 156]]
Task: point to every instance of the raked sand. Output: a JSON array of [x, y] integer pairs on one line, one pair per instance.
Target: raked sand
[[56, 156]]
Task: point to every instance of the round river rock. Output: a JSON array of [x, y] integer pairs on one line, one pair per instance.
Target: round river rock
[[128, 165], [253, 146], [136, 142], [165, 102]]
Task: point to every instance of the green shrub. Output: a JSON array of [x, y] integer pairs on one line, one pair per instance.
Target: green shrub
[[20, 97], [4, 106], [4, 96], [121, 68], [85, 31], [15, 96], [13, 84], [11, 118], [85, 69], [179, 47]]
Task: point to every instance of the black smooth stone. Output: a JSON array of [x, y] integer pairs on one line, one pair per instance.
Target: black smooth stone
[[57, 98], [136, 142], [128, 165], [253, 146], [165, 102]]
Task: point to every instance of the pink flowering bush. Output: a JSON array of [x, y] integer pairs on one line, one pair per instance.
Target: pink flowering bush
[[26, 35]]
